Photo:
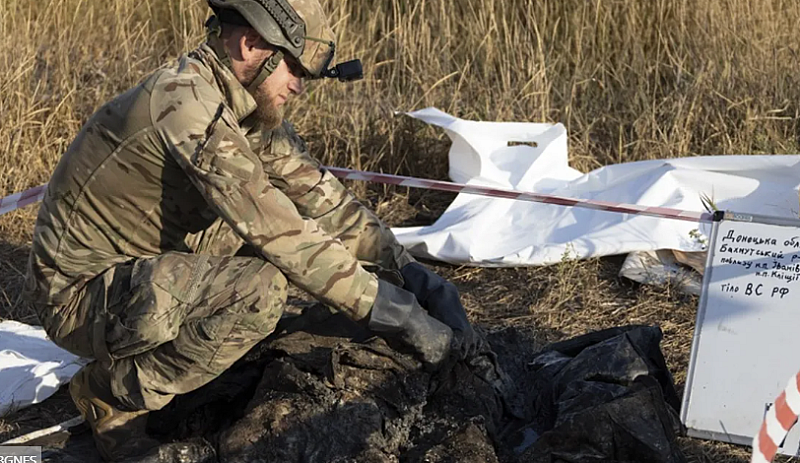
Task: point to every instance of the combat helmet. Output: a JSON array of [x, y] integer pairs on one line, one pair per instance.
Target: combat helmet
[[298, 28]]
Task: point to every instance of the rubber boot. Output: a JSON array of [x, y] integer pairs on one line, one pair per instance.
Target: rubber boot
[[118, 434]]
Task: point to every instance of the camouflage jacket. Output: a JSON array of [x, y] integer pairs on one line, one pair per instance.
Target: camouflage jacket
[[167, 163]]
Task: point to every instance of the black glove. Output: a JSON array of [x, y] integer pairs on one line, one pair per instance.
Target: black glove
[[440, 298], [397, 313]]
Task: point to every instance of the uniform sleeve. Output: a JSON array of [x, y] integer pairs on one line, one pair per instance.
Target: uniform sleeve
[[321, 196], [205, 139]]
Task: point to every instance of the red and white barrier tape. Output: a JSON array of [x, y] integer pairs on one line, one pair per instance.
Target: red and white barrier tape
[[779, 420], [662, 212], [33, 195], [18, 200]]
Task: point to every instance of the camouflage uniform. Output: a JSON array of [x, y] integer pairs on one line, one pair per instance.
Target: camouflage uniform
[[133, 260]]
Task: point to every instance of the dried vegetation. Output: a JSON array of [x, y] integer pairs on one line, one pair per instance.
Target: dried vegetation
[[630, 79]]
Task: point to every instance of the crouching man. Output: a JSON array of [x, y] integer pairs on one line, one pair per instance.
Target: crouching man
[[136, 258]]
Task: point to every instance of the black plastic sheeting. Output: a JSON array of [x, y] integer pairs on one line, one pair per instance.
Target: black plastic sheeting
[[602, 397]]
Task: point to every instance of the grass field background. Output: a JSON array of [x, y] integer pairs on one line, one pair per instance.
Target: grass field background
[[630, 79]]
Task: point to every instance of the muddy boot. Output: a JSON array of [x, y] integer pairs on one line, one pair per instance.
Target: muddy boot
[[117, 434]]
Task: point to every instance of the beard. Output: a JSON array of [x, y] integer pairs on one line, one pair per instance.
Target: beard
[[267, 115]]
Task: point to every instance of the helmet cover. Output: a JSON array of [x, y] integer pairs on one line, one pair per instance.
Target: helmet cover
[[299, 27]]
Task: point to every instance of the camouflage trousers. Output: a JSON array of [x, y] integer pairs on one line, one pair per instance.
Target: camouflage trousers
[[169, 324]]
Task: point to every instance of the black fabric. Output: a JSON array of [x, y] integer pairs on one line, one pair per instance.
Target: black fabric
[[442, 301], [606, 396]]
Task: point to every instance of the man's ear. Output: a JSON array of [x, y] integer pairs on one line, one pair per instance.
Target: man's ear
[[250, 42]]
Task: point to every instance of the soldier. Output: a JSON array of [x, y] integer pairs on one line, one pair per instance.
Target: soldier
[[137, 258]]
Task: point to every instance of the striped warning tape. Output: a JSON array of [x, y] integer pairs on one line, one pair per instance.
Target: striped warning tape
[[18, 200], [662, 212], [33, 195], [779, 420]]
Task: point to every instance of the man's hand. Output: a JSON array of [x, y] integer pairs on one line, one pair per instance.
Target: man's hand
[[397, 314], [441, 299]]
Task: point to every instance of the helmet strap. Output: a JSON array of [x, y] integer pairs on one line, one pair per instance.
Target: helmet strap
[[214, 39], [267, 68]]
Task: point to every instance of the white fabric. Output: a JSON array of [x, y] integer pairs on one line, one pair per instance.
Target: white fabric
[[32, 368], [485, 231]]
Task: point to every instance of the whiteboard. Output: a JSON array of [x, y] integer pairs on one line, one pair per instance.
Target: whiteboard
[[747, 337]]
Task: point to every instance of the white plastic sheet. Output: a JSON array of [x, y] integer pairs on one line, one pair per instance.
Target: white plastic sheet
[[500, 232], [32, 368]]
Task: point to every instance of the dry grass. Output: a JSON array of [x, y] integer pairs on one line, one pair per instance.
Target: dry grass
[[630, 79]]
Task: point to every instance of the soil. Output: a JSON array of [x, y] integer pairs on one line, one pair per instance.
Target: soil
[[321, 389]]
